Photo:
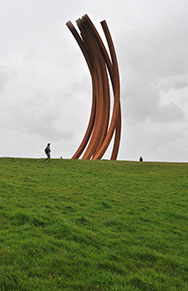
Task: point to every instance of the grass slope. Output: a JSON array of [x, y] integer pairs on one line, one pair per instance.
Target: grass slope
[[92, 225]]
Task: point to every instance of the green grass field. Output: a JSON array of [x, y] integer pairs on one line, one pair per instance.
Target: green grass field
[[92, 225]]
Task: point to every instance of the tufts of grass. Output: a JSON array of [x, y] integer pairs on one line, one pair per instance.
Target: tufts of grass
[[92, 225]]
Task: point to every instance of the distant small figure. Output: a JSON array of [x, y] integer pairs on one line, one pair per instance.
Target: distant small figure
[[141, 159], [61, 157], [47, 152]]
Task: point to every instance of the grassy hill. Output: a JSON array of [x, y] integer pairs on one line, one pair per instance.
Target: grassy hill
[[92, 225]]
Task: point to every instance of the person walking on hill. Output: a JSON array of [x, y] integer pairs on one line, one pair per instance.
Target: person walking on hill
[[47, 151]]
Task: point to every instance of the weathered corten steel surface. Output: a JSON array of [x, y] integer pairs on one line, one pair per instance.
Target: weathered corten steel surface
[[103, 68]]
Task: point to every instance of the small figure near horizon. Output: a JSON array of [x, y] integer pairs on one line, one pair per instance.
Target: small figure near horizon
[[141, 159], [47, 152]]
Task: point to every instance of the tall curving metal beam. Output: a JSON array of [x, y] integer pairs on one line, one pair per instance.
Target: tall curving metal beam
[[103, 68]]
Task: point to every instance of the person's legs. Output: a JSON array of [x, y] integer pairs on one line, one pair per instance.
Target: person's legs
[[48, 157]]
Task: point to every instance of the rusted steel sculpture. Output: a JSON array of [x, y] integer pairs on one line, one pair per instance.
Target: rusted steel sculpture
[[102, 67]]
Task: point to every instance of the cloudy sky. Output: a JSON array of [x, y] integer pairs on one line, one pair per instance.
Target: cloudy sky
[[45, 86]]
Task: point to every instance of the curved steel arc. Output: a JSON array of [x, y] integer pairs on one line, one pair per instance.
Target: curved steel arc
[[92, 116], [99, 132], [116, 89]]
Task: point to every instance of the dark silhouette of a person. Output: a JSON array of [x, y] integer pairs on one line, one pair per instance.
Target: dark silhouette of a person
[[47, 151], [141, 159]]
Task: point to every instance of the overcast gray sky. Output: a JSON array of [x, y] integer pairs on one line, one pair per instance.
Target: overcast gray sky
[[45, 86]]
